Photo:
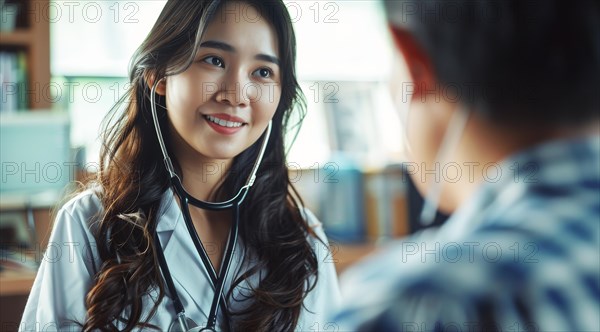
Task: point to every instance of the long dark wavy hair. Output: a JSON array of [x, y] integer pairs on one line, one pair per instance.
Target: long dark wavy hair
[[133, 180]]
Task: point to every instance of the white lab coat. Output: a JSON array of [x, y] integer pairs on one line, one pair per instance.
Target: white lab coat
[[71, 261]]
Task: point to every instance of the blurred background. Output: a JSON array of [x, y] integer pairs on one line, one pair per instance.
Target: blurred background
[[64, 64]]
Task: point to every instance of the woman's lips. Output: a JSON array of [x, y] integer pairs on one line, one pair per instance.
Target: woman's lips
[[224, 123]]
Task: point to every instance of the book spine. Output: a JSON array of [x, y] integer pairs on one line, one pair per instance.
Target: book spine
[[23, 101], [13, 81]]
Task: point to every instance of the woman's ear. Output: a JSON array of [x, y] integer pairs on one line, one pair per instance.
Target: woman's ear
[[161, 88]]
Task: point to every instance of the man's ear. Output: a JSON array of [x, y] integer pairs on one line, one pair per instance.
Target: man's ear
[[161, 88], [417, 60]]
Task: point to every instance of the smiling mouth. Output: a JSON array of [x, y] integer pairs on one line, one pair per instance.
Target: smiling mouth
[[224, 123]]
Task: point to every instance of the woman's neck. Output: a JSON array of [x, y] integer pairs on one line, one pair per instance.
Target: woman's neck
[[201, 176]]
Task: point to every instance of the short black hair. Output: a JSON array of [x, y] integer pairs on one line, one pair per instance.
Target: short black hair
[[516, 61]]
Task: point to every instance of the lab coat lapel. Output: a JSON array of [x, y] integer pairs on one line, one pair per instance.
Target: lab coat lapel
[[190, 278], [189, 275], [169, 213]]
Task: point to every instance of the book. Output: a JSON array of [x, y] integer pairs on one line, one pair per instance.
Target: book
[[13, 81]]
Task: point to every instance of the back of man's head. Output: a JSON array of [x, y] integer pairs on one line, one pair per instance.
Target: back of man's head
[[526, 62]]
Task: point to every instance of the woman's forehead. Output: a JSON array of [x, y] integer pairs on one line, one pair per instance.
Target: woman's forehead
[[242, 27]]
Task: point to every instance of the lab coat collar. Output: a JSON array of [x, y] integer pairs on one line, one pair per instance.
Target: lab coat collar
[[180, 254], [186, 268], [178, 248], [169, 212]]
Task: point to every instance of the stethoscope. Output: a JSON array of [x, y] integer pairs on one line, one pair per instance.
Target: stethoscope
[[181, 323]]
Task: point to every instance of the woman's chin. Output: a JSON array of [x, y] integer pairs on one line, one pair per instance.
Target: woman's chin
[[224, 155]]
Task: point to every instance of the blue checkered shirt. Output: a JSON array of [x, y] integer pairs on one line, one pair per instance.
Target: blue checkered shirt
[[522, 255]]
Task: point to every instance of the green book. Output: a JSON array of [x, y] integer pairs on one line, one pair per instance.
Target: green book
[[21, 80]]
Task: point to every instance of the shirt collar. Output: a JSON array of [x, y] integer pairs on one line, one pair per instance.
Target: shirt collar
[[563, 164]]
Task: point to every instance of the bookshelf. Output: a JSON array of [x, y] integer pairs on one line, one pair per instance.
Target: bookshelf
[[32, 37], [29, 40]]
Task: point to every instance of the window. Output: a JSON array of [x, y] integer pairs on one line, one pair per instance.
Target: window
[[339, 44]]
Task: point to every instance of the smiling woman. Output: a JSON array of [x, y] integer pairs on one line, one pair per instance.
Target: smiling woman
[[236, 61], [193, 221]]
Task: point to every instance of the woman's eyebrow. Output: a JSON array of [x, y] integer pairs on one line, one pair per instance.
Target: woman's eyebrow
[[268, 58], [218, 45], [228, 48]]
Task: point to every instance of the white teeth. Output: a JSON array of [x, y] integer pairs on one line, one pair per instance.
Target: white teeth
[[223, 123]]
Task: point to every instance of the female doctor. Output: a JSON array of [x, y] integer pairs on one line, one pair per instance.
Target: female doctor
[[193, 223]]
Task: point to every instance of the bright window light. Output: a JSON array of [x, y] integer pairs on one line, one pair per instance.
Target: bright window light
[[341, 45]]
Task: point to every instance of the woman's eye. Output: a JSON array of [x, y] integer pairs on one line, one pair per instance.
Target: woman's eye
[[213, 60], [264, 72]]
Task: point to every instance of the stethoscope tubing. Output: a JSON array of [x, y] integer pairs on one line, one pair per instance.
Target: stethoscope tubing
[[217, 280]]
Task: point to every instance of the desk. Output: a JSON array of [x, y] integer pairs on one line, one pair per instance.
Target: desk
[[16, 283], [35, 211]]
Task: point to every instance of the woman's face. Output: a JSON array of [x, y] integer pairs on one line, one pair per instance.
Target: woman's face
[[223, 102]]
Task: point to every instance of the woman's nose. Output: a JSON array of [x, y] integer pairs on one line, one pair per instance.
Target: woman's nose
[[237, 90]]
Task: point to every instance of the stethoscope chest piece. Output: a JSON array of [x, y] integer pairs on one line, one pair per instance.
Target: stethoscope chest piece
[[192, 327], [176, 325]]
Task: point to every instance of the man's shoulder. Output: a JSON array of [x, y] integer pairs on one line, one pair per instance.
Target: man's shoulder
[[504, 267]]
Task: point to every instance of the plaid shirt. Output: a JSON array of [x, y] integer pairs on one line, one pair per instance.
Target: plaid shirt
[[522, 255]]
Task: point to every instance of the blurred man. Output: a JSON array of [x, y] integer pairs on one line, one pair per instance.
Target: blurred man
[[503, 134]]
